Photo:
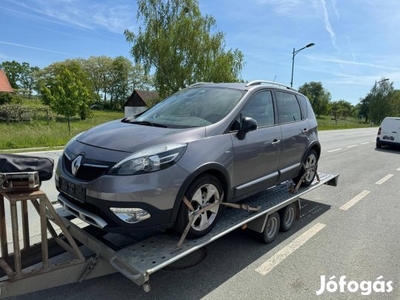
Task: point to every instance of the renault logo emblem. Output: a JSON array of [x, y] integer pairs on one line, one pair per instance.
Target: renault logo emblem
[[76, 163]]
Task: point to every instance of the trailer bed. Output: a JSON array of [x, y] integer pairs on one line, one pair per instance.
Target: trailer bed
[[140, 260]]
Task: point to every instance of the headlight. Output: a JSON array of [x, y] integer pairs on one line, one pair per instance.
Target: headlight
[[149, 160]]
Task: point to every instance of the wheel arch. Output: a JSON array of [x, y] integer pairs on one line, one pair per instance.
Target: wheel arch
[[214, 169], [316, 146]]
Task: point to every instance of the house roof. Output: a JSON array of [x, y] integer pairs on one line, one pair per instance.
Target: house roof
[[141, 98], [147, 95], [5, 85]]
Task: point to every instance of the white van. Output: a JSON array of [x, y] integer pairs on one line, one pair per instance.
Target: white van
[[389, 132]]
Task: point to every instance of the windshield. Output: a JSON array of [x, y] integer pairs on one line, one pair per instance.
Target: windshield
[[192, 107]]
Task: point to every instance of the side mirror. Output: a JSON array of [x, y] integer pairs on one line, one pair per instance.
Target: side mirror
[[248, 124]]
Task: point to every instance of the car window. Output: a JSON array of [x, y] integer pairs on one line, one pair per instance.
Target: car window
[[260, 108], [193, 107], [303, 103], [288, 107]]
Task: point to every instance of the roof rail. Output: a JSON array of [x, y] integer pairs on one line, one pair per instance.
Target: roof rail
[[258, 82], [199, 83]]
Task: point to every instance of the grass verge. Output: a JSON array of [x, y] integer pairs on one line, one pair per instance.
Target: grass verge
[[41, 134]]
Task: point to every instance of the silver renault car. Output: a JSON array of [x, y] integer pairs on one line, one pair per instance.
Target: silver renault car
[[206, 144]]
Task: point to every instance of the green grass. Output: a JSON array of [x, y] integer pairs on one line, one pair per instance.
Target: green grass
[[54, 135], [327, 123], [40, 134]]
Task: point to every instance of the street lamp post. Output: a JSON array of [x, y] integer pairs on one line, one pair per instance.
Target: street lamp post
[[294, 54]]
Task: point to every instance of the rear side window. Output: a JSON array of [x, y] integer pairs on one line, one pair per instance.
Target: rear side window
[[303, 103], [288, 107]]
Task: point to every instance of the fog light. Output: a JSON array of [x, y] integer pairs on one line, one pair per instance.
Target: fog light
[[130, 215]]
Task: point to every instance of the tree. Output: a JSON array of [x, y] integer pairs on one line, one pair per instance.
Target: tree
[[98, 68], [381, 102], [13, 71], [120, 71], [396, 102], [65, 87], [114, 79], [176, 43], [27, 78], [318, 96], [364, 108], [341, 109], [21, 76]]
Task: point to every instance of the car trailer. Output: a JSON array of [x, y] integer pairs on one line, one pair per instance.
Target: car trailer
[[74, 253]]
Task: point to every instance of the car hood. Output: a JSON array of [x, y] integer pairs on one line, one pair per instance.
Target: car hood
[[128, 137]]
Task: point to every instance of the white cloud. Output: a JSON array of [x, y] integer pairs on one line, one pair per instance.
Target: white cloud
[[33, 48], [354, 63], [114, 16], [328, 25]]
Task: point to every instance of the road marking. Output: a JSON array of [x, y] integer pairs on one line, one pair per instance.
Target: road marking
[[334, 150], [353, 201], [364, 143], [398, 169], [387, 177], [275, 260], [351, 146]]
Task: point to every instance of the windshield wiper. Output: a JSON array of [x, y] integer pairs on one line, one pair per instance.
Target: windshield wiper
[[147, 123]]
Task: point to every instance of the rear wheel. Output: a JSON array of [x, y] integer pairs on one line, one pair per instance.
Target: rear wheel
[[308, 170], [204, 191], [288, 216], [378, 145], [271, 228]]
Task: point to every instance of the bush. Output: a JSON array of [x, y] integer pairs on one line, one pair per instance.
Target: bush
[[23, 113], [5, 98]]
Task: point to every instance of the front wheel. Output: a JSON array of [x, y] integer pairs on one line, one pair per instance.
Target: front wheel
[[204, 191], [308, 170]]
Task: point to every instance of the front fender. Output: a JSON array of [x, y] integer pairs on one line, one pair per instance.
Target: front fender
[[210, 168]]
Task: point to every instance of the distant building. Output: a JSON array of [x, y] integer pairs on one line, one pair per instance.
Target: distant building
[[139, 101], [5, 86]]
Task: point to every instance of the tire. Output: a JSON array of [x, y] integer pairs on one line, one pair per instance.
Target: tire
[[378, 145], [310, 161], [288, 217], [203, 191], [271, 229]]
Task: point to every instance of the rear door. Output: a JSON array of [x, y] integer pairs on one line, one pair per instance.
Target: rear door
[[295, 137], [396, 131]]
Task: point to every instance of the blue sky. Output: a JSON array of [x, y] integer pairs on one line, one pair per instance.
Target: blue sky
[[357, 42]]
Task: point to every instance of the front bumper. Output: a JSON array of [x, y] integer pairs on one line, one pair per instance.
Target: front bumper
[[91, 201]]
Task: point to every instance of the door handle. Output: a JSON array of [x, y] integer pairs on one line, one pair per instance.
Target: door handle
[[275, 141]]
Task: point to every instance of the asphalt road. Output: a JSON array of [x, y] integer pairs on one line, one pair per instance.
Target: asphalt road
[[351, 230]]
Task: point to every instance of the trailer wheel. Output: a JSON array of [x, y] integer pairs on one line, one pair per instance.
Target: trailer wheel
[[203, 191], [288, 216], [271, 229], [309, 169]]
